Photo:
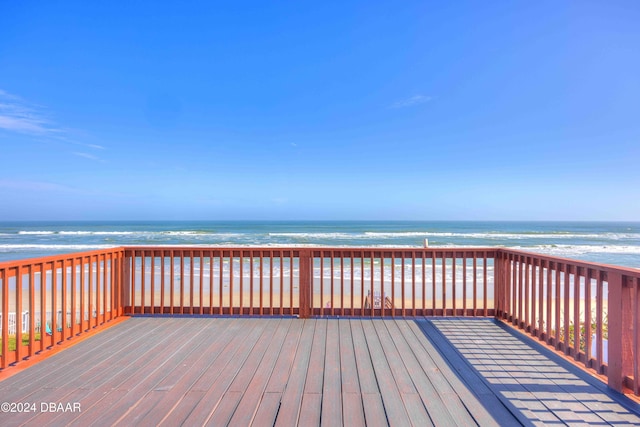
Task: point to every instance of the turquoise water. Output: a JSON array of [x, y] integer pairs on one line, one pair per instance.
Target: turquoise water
[[605, 242]]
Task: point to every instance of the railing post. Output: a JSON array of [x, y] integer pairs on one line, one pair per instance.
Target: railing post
[[305, 283], [499, 285], [4, 318], [620, 362], [126, 282]]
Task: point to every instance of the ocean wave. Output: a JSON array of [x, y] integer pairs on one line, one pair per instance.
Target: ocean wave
[[316, 235], [533, 235], [581, 249], [36, 232], [54, 247], [98, 233], [378, 234]]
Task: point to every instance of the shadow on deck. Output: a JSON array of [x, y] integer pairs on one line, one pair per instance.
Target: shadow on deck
[[286, 371]]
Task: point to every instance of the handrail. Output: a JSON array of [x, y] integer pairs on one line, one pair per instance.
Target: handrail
[[309, 281], [587, 311], [83, 287]]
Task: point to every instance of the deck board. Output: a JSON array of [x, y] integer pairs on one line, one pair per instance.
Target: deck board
[[271, 371]]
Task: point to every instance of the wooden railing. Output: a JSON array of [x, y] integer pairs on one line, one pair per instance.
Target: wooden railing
[[589, 312], [310, 281], [84, 288]]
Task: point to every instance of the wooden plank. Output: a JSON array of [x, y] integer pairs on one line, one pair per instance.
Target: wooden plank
[[315, 378], [477, 398], [374, 410], [280, 376], [95, 397], [128, 394], [348, 366], [57, 373], [220, 376], [396, 413], [310, 409], [250, 402], [267, 410], [332, 387], [152, 410], [352, 409], [530, 378], [437, 407], [371, 399], [49, 373], [561, 389], [292, 396], [17, 390], [398, 370], [416, 410], [248, 358]]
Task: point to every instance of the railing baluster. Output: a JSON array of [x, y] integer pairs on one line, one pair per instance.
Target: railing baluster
[[261, 282], [587, 317], [201, 294], [567, 308], [577, 330], [271, 282], [242, 283], [484, 284], [464, 284], [433, 283], [413, 283], [636, 332], [454, 267], [43, 306], [231, 257], [393, 283], [475, 285], [281, 282], [32, 312], [5, 319], [424, 284], [341, 283], [444, 283]]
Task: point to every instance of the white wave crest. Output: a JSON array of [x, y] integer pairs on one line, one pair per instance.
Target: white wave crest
[[520, 236], [581, 249], [316, 235], [53, 247], [378, 234], [97, 233], [36, 232]]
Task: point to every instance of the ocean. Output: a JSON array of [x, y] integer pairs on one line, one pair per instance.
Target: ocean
[[605, 242]]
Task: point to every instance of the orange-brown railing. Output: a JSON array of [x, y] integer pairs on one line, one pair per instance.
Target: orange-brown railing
[[402, 282], [309, 281], [212, 281], [588, 311], [46, 301]]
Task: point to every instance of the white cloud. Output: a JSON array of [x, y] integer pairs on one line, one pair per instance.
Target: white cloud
[[18, 116], [33, 185], [412, 101], [86, 155]]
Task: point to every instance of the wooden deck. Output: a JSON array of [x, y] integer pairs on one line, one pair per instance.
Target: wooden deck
[[284, 372]]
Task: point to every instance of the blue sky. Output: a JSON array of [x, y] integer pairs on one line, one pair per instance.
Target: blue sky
[[502, 110]]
